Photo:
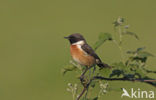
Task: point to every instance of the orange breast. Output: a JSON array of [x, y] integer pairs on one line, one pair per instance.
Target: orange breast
[[80, 56]]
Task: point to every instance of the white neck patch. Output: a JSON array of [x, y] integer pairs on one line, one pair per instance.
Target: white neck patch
[[79, 43]]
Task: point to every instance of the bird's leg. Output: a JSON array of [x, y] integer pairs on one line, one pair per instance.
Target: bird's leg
[[90, 71], [82, 75]]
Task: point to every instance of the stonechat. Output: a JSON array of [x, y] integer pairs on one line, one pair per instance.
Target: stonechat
[[82, 53]]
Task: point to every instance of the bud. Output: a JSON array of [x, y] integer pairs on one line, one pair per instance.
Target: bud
[[69, 84]]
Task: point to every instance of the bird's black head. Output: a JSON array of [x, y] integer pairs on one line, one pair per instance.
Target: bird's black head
[[76, 37]]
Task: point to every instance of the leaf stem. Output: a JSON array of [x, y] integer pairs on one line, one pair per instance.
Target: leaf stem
[[121, 50], [120, 34]]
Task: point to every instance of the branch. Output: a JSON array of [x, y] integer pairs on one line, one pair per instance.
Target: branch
[[84, 89], [144, 80]]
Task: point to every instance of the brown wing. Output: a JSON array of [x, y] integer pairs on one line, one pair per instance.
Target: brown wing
[[91, 52]]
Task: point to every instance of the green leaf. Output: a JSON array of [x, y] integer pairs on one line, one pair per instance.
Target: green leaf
[[68, 68], [142, 59], [132, 34], [140, 49], [139, 55], [121, 70], [105, 72], [145, 54], [116, 23], [136, 51], [129, 76], [93, 83], [139, 72], [142, 56], [116, 72], [149, 71], [119, 65], [102, 38]]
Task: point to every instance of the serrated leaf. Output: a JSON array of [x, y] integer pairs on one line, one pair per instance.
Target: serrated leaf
[[102, 38], [132, 34]]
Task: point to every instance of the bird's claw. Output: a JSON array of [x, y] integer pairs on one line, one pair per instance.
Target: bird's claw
[[81, 78]]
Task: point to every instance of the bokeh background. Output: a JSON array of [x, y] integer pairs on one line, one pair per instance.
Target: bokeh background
[[33, 51]]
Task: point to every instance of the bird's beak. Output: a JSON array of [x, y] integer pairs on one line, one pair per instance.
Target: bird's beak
[[66, 37]]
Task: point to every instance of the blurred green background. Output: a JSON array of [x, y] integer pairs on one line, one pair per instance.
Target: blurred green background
[[33, 51]]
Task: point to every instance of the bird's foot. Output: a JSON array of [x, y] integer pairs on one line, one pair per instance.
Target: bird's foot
[[82, 78]]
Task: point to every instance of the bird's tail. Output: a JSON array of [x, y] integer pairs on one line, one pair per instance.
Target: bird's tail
[[103, 65]]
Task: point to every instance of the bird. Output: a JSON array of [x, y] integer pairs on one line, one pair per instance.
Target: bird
[[82, 53]]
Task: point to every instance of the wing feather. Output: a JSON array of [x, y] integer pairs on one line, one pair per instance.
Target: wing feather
[[91, 52]]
